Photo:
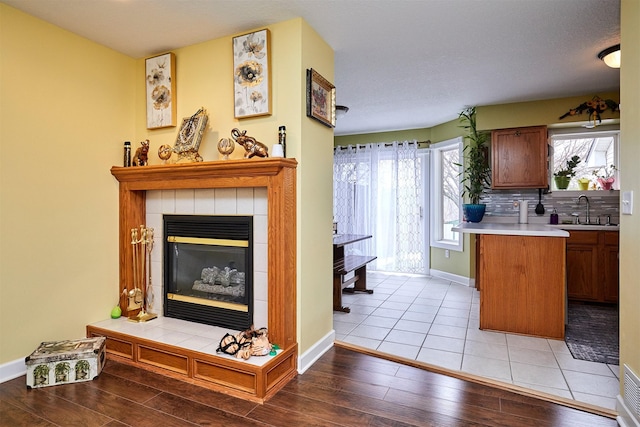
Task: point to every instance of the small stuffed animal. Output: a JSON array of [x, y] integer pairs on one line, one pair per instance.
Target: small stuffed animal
[[251, 146], [142, 154]]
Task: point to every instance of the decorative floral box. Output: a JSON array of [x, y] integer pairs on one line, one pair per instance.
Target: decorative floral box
[[65, 362]]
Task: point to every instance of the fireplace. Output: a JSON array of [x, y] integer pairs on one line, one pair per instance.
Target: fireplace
[[208, 269], [237, 378]]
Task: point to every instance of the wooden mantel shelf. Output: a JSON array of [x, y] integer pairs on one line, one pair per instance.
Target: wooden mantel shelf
[[217, 174], [278, 175]]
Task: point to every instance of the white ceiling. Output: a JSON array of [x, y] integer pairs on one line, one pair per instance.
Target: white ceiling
[[399, 64]]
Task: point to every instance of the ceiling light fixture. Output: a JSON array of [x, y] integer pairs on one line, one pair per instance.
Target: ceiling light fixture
[[341, 110], [611, 56]]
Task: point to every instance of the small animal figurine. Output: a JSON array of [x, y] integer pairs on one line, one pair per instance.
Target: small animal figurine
[[251, 146], [141, 157]]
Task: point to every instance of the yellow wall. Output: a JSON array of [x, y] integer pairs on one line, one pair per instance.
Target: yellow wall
[[630, 179], [68, 105], [66, 108], [544, 112], [315, 205]]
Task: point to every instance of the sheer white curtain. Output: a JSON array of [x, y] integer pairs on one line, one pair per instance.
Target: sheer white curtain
[[377, 191]]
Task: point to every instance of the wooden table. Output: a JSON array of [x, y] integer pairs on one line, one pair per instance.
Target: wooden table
[[343, 265]]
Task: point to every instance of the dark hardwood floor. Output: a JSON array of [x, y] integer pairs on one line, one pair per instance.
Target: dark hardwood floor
[[343, 388]]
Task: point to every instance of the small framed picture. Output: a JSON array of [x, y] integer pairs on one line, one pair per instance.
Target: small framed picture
[[252, 75], [321, 99], [161, 91]]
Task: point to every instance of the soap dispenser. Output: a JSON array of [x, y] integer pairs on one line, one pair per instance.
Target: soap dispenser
[[554, 217]]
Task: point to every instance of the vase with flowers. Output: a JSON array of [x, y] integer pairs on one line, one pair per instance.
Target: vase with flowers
[[606, 178]]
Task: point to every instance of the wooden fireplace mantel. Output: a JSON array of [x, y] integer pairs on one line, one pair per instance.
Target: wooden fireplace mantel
[[278, 175]]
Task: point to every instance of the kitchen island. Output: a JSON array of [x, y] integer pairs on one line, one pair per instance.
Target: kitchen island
[[520, 273]]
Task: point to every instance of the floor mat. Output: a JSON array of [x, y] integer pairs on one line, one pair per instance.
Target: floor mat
[[592, 333]]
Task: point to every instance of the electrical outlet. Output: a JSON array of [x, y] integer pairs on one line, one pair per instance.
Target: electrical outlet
[[446, 253]]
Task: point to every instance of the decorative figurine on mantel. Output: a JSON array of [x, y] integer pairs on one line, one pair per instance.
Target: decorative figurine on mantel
[[189, 137], [164, 152], [251, 146], [226, 147], [141, 158]]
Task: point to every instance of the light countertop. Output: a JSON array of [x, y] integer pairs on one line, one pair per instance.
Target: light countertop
[[510, 229]]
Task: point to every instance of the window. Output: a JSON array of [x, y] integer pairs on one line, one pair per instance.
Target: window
[[446, 206], [598, 152]]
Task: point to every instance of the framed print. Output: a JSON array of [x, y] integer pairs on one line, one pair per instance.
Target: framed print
[[161, 91], [321, 99], [252, 75]]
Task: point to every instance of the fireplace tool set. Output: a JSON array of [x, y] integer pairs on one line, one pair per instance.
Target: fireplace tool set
[[140, 296]]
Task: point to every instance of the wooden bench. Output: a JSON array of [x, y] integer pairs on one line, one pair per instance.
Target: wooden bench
[[343, 265]]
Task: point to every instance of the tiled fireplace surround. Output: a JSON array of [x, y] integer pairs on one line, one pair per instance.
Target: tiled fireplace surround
[[264, 188], [212, 201]]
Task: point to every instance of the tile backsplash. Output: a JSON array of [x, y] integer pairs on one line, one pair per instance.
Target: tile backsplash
[[500, 203]]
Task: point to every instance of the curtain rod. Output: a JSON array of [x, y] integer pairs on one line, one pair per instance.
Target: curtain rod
[[344, 147]]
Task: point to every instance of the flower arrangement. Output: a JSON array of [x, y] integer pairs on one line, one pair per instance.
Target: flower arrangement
[[607, 178], [595, 107]]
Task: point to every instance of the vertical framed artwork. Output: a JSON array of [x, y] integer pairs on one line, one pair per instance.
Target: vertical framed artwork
[[252, 74], [321, 99], [161, 90]]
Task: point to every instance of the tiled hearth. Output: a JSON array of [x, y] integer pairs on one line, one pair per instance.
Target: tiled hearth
[[219, 201], [179, 333]]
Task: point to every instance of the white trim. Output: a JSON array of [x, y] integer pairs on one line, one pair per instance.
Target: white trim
[[625, 417], [316, 351], [466, 281], [11, 370], [436, 205]]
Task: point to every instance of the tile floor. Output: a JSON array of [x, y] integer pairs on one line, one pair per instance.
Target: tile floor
[[437, 321]]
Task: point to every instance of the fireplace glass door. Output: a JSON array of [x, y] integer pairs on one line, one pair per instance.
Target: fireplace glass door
[[208, 269]]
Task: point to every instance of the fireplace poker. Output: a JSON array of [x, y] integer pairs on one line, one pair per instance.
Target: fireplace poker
[[134, 303], [149, 292]]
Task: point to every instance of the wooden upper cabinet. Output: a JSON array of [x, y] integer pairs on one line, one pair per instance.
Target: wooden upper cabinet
[[519, 158]]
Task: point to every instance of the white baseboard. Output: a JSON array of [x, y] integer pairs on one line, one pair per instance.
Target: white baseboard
[[453, 277], [625, 417], [11, 370], [315, 352]]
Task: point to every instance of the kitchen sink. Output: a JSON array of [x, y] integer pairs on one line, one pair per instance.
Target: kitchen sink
[[586, 226]]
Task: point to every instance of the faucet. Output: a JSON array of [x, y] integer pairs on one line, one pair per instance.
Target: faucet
[[586, 199]]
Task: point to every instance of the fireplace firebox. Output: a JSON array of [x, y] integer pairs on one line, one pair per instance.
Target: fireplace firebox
[[208, 269]]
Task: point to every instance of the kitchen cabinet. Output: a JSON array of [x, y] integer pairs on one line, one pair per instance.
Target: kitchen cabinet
[[519, 158], [592, 266], [520, 274], [611, 266]]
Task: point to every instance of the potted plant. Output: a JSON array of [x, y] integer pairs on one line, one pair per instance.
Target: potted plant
[[606, 179], [477, 172], [563, 176], [583, 183]]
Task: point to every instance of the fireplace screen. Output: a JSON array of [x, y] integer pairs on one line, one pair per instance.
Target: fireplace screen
[[208, 271]]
